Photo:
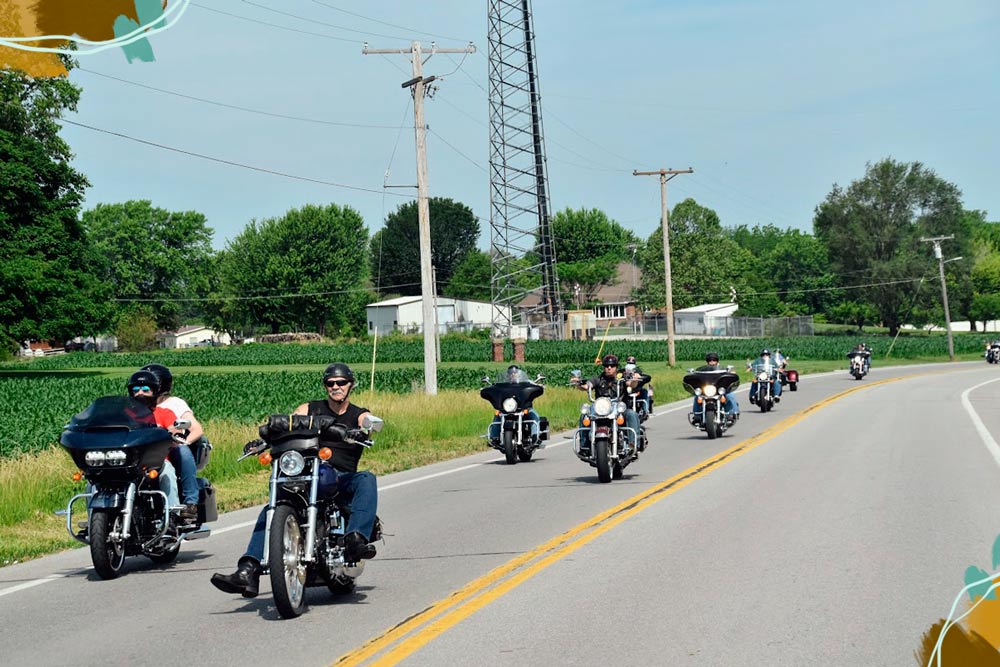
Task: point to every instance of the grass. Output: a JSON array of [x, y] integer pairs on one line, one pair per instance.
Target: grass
[[419, 430]]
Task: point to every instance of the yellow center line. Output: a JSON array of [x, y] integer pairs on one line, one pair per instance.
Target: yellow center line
[[561, 546]]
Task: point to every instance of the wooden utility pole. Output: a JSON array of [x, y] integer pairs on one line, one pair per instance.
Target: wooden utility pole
[[665, 175], [936, 240], [418, 87]]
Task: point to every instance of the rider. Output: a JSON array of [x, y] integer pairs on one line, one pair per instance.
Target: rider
[[763, 363], [151, 385], [632, 370], [866, 356], [515, 375], [732, 408], [606, 384], [360, 487]]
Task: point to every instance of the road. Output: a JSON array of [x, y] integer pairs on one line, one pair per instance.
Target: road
[[834, 530]]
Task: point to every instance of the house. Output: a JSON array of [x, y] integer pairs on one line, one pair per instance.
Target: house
[[195, 335], [405, 314], [614, 303], [708, 319]]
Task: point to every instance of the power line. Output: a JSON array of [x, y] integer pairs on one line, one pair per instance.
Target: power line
[[328, 25], [391, 25], [446, 143], [223, 161], [272, 25], [235, 106], [293, 295]]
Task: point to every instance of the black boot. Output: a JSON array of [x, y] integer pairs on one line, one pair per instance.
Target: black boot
[[245, 580], [356, 548]]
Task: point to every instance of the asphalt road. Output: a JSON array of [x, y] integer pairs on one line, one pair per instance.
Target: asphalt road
[[834, 530]]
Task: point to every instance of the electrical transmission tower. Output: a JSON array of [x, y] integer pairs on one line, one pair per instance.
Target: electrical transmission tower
[[522, 248]]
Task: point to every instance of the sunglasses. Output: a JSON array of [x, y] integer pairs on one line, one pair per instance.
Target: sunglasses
[[136, 389], [611, 365], [337, 383]]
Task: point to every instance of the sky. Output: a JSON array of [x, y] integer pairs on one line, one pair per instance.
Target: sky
[[770, 102]]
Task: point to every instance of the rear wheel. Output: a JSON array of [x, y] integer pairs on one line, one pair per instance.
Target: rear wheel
[[288, 570], [603, 460], [168, 556], [794, 386], [525, 454], [107, 554], [616, 470], [509, 448], [341, 587]]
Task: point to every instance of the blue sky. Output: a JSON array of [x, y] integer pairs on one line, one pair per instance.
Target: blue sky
[[770, 102]]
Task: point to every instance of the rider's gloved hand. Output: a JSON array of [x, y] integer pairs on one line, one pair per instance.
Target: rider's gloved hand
[[253, 446]]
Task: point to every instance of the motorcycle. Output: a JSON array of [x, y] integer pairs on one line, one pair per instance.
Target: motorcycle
[[306, 518], [993, 354], [120, 450], [634, 396], [710, 389], [518, 435], [765, 375], [604, 419], [858, 366]]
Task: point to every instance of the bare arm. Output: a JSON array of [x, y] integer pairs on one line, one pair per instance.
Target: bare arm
[[302, 409]]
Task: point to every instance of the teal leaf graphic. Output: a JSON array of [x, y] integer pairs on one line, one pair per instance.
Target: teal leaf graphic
[[973, 574], [996, 553]]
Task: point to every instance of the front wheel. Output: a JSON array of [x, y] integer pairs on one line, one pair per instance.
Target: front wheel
[[288, 571], [107, 553], [509, 448], [603, 457], [711, 427]]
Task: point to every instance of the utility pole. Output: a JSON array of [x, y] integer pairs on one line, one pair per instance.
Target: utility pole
[[418, 86], [936, 240], [666, 175]]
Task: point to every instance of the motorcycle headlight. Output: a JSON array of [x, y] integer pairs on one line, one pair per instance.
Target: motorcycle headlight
[[509, 404], [585, 409], [291, 463], [602, 406], [115, 457], [722, 390], [762, 376], [94, 458], [697, 391], [620, 408], [710, 390]]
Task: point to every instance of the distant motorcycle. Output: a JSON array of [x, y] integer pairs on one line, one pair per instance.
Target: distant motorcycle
[[762, 385], [710, 389], [993, 354], [306, 524], [120, 451], [514, 432], [859, 365], [604, 420]]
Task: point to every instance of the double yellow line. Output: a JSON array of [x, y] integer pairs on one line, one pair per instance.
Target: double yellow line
[[447, 613]]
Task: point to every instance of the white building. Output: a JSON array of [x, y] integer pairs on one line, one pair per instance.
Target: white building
[[700, 320], [192, 336], [405, 314]]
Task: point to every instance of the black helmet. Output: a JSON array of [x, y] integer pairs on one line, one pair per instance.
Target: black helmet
[[711, 356], [765, 351], [163, 375], [339, 370], [609, 360], [144, 379]]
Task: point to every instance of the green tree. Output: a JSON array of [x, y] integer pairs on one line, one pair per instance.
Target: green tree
[[152, 253], [589, 246], [471, 278], [395, 249], [852, 312], [872, 229], [136, 330], [986, 308], [306, 270], [46, 288]]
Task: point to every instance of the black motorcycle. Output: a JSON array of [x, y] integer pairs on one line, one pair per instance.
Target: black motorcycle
[[519, 435], [762, 385], [633, 395], [859, 363], [993, 354], [609, 450], [711, 390], [121, 451], [306, 520]]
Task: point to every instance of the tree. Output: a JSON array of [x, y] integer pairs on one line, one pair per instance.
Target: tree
[[986, 308], [395, 249], [589, 246], [304, 270], [706, 264], [852, 312], [471, 278], [46, 288], [136, 330], [871, 230], [152, 253]]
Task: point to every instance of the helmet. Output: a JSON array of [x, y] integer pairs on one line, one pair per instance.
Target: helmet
[[765, 351], [339, 370], [630, 360], [163, 375], [712, 356], [144, 379], [609, 360]]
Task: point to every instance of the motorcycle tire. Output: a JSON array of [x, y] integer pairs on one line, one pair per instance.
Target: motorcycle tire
[[288, 573], [107, 557], [167, 557], [794, 386], [711, 428], [617, 472], [764, 404], [603, 457], [341, 588], [524, 455], [509, 448]]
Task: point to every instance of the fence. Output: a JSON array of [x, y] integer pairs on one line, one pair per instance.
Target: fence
[[730, 327]]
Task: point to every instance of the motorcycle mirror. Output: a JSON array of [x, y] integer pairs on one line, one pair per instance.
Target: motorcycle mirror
[[182, 424], [485, 379], [576, 373], [729, 368], [372, 423], [539, 378]]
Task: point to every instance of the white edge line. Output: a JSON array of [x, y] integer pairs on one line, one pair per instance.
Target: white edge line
[[984, 432]]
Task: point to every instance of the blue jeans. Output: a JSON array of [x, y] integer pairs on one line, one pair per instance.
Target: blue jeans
[[753, 389], [494, 429], [168, 484], [187, 471], [731, 407], [360, 487], [631, 421]]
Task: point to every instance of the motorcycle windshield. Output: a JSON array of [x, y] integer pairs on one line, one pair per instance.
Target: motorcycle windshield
[[722, 379], [121, 412], [117, 422], [522, 392], [768, 368]]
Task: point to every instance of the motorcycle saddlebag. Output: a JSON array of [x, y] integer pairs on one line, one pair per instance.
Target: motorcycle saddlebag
[[207, 509], [543, 428], [200, 450]]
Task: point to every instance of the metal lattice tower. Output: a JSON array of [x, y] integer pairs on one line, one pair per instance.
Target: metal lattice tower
[[520, 226]]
